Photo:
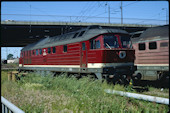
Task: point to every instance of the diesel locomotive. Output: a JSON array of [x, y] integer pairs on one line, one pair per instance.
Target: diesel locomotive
[[152, 54], [95, 51]]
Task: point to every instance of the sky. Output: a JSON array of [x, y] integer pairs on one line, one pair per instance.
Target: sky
[[134, 12]]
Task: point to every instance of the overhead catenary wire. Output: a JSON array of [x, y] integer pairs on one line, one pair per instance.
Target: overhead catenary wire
[[30, 20], [151, 17], [91, 11], [83, 12], [40, 10]]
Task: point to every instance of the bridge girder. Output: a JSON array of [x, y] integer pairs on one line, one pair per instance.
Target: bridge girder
[[19, 34]]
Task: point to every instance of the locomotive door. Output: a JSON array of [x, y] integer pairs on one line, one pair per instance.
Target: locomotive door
[[83, 55], [44, 56]]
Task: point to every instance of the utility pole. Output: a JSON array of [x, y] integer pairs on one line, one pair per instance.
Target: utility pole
[[121, 13], [109, 13], [166, 15], [6, 52], [30, 19], [70, 19]]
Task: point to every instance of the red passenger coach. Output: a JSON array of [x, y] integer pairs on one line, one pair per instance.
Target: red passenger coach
[[99, 52]]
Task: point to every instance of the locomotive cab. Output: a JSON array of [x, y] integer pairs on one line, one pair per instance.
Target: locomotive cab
[[113, 41], [117, 56]]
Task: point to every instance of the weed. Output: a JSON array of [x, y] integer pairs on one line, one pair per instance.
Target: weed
[[36, 93]]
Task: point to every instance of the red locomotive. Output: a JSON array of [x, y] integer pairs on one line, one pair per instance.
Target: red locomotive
[[152, 54], [102, 53]]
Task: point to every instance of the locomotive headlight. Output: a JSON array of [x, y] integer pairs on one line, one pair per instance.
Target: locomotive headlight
[[122, 54]]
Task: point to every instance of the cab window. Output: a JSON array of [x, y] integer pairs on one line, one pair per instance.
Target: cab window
[[117, 41], [110, 41], [95, 44], [141, 46], [164, 44], [152, 45]]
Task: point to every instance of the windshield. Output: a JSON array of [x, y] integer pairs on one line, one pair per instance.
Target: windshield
[[117, 41]]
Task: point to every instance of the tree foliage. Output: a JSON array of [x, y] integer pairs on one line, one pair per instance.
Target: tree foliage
[[10, 56]]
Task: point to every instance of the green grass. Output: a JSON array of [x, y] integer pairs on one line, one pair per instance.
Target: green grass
[[37, 94]]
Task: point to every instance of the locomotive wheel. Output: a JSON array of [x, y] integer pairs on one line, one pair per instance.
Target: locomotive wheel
[[92, 76], [78, 76], [124, 80], [112, 79], [163, 80]]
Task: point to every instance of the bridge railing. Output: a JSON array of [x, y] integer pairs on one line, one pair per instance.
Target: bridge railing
[[8, 107]]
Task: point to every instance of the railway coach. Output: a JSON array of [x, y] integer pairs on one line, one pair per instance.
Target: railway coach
[[152, 54], [95, 51]]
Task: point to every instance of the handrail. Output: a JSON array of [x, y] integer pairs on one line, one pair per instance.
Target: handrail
[[8, 106]]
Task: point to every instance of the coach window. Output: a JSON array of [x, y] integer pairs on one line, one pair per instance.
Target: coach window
[[142, 46], [49, 50], [54, 49], [40, 51], [36, 51], [152, 45], [65, 48], [164, 44]]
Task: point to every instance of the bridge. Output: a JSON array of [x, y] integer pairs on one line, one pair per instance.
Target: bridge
[[21, 33]]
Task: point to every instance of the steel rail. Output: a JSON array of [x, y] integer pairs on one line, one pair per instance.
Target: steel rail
[[8, 68], [140, 96], [8, 107]]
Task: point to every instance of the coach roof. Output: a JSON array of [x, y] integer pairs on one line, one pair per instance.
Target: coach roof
[[72, 37]]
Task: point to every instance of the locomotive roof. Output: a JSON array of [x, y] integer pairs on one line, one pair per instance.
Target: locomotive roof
[[155, 33], [87, 33]]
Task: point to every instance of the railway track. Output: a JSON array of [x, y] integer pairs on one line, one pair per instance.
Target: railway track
[[139, 86], [155, 83], [9, 68]]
